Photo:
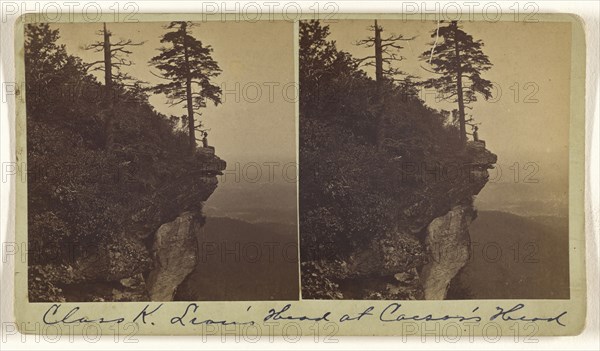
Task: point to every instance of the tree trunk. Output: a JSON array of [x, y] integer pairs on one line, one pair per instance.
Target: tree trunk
[[107, 64], [188, 90], [378, 58], [379, 132], [459, 87], [108, 91]]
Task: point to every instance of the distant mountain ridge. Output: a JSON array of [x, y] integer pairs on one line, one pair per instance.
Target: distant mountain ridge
[[524, 199], [265, 202]]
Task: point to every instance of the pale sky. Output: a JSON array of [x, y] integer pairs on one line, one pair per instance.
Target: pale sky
[[248, 125], [521, 53]]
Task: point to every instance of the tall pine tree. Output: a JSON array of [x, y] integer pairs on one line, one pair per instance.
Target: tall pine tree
[[459, 61], [189, 67]]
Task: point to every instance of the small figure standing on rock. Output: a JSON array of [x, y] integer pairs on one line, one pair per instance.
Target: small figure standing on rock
[[204, 139], [475, 134]]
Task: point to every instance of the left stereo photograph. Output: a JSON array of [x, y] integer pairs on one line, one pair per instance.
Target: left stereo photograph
[[161, 161]]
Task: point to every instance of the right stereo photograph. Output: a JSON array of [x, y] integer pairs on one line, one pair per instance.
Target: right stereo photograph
[[434, 159]]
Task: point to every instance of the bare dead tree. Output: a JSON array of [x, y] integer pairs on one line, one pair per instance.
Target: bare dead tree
[[115, 58], [386, 54]]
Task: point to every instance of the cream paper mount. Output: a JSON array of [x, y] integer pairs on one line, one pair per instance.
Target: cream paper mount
[[365, 174]]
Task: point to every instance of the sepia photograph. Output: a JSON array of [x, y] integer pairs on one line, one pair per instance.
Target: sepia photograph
[[311, 177], [162, 161], [434, 159]]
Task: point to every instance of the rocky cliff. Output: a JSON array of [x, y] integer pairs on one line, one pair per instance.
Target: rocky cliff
[[174, 253], [448, 245], [155, 249], [429, 244], [416, 259]]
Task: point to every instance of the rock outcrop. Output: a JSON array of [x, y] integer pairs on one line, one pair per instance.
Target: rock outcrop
[[174, 254], [448, 245], [174, 246]]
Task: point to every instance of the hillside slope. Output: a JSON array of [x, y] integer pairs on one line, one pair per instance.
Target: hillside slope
[[243, 261], [515, 257]]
